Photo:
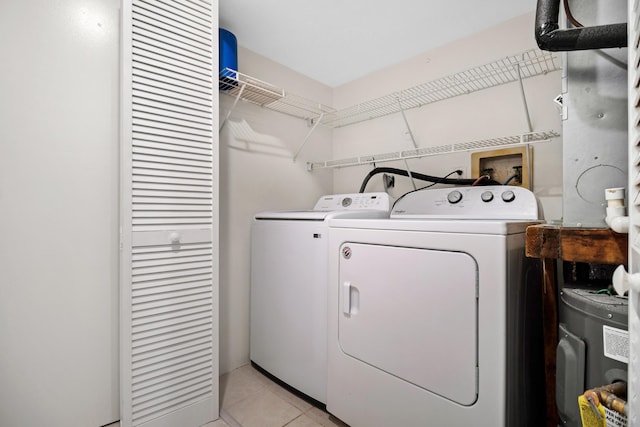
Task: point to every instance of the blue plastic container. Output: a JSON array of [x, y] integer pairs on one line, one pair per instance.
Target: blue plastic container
[[228, 58]]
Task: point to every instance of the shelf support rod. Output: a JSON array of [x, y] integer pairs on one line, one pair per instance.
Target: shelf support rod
[[306, 138], [406, 122], [233, 106], [524, 99], [406, 164], [526, 112]]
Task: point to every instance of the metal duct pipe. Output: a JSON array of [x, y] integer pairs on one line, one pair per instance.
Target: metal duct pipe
[[550, 37]]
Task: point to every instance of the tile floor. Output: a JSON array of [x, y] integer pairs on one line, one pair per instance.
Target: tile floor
[[250, 399]]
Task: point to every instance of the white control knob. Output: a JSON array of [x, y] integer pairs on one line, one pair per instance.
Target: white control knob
[[487, 196], [623, 281], [454, 197], [508, 196]]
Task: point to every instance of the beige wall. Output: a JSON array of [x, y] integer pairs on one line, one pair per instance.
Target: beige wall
[[490, 113], [257, 173], [257, 145]]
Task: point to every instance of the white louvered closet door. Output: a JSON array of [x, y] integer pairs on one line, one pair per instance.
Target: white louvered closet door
[[633, 395], [169, 285]]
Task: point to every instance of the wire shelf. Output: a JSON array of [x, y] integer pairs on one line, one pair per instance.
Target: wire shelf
[[438, 150], [506, 70], [247, 88], [530, 63], [509, 69]]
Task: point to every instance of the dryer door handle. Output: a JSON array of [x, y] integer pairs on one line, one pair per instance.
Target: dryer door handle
[[346, 298]]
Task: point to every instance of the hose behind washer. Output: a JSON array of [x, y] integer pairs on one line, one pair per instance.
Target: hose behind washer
[[422, 177]]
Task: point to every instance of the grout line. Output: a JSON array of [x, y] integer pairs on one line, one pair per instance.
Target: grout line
[[224, 415], [301, 415]]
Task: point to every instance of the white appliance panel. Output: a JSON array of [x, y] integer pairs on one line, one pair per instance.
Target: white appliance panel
[[459, 244], [363, 395], [395, 314], [288, 302]]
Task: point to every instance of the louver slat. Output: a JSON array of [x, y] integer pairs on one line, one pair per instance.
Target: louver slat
[[150, 107]]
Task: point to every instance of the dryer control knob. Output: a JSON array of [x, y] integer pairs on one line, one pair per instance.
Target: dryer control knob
[[508, 196], [487, 196], [454, 197]]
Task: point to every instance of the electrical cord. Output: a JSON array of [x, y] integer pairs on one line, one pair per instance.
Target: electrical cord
[[480, 179], [422, 177], [458, 171], [570, 17]]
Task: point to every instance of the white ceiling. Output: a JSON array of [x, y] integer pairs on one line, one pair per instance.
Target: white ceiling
[[337, 41]]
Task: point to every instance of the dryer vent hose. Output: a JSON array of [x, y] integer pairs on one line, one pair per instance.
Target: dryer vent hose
[[428, 178]]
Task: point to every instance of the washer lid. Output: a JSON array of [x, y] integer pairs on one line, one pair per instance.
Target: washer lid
[[321, 215], [356, 205]]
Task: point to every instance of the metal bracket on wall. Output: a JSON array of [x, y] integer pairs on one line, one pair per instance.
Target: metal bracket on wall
[[413, 140], [406, 122], [306, 138], [233, 106], [527, 159], [524, 99]]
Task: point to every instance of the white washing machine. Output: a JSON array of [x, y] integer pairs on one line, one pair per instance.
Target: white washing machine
[[289, 271], [435, 314]]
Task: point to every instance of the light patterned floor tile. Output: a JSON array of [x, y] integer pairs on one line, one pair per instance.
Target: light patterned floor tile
[[239, 385], [285, 394], [263, 410], [253, 373]]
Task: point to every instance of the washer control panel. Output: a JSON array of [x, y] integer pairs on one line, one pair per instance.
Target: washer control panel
[[482, 202], [357, 201]]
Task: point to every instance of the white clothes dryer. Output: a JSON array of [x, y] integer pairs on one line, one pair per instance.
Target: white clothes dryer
[[289, 265], [434, 315]]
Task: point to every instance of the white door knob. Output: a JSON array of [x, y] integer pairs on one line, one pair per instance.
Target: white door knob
[[174, 238]]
